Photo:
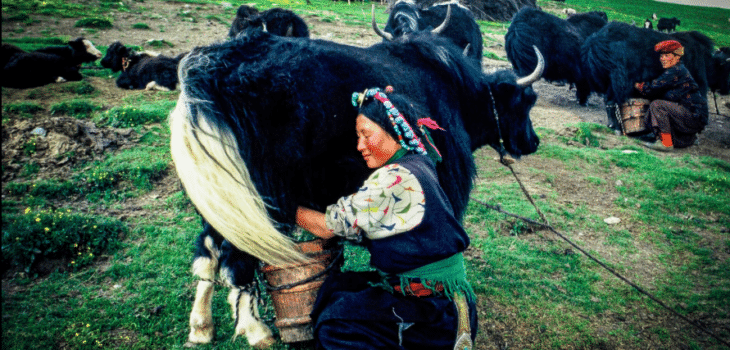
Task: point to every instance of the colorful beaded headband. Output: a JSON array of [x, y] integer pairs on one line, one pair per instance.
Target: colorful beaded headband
[[400, 124]]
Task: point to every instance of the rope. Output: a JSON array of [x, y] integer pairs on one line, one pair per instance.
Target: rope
[[308, 279], [553, 230]]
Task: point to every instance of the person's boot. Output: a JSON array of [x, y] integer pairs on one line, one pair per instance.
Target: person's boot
[[650, 137], [665, 143]]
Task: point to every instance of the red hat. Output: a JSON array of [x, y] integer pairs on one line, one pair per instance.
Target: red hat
[[670, 46]]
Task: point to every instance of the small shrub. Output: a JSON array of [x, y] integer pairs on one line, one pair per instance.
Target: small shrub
[[125, 117], [159, 43], [24, 109], [79, 88], [75, 108], [76, 238], [140, 26], [29, 169], [98, 23], [22, 17], [29, 148]]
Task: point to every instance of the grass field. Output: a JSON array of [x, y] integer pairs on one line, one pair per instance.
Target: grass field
[[98, 256]]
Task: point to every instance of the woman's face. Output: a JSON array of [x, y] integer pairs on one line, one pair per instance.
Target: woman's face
[[375, 145], [669, 60]]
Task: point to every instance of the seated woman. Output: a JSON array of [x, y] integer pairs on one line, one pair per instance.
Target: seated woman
[[419, 297], [678, 110]]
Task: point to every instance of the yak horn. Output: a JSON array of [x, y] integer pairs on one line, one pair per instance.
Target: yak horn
[[386, 36], [443, 24], [466, 50], [290, 31], [534, 76]]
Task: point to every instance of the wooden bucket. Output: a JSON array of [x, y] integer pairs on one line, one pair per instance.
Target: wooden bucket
[[633, 115], [293, 305]]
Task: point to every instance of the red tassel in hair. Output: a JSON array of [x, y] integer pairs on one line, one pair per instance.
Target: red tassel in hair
[[429, 123]]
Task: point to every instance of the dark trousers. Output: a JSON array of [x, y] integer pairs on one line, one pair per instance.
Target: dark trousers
[[671, 117], [351, 314]]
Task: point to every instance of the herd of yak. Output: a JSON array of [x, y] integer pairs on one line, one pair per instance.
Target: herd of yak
[[262, 118]]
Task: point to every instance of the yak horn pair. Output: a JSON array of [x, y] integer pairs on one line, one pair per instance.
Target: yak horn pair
[[389, 37], [536, 74]]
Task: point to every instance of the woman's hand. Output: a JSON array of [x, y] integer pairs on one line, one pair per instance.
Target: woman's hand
[[314, 222], [638, 86]]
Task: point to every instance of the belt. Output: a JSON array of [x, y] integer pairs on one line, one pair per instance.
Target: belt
[[417, 289]]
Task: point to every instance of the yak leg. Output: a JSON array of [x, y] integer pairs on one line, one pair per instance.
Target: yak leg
[[205, 266], [246, 315], [201, 318], [238, 270], [154, 86]]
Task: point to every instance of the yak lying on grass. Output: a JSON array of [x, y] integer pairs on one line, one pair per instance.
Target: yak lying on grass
[[141, 70], [265, 124], [47, 65]]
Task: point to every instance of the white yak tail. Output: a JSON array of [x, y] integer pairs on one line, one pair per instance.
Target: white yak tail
[[216, 179]]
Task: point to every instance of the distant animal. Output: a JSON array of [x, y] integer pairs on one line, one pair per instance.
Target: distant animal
[[265, 123], [460, 27], [148, 71], [22, 69], [653, 16], [719, 79], [667, 24], [569, 11], [589, 22], [276, 21], [557, 39], [648, 24], [620, 54]]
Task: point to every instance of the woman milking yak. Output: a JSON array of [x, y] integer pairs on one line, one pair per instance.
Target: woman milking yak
[[418, 297]]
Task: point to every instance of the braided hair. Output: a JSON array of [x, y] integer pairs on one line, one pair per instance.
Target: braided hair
[[398, 122]]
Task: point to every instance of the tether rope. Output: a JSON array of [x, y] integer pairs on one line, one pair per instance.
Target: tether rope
[[553, 230]]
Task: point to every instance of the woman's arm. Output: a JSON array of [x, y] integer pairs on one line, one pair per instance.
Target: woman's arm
[[314, 222]]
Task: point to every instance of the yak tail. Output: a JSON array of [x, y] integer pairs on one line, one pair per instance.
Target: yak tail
[[215, 177]]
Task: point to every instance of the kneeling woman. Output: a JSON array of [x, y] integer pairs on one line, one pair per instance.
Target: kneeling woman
[[419, 297], [678, 110]]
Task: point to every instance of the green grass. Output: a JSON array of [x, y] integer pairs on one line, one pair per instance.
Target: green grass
[[81, 109]]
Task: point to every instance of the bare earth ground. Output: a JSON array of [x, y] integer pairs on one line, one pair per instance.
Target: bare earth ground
[[556, 109]]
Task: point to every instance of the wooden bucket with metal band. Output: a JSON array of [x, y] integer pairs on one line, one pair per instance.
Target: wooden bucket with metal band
[[294, 289], [633, 115]]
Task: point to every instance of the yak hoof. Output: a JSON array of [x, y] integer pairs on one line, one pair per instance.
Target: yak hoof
[[265, 343], [200, 334]]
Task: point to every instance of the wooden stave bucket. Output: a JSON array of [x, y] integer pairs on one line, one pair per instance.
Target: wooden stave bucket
[[633, 115], [294, 305]]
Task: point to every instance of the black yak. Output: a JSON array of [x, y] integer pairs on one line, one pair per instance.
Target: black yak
[[619, 55], [47, 65], [557, 39], [265, 124], [141, 70]]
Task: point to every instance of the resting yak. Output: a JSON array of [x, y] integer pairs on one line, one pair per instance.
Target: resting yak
[[449, 20], [142, 70], [47, 65], [265, 123], [276, 21], [619, 54], [559, 40]]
